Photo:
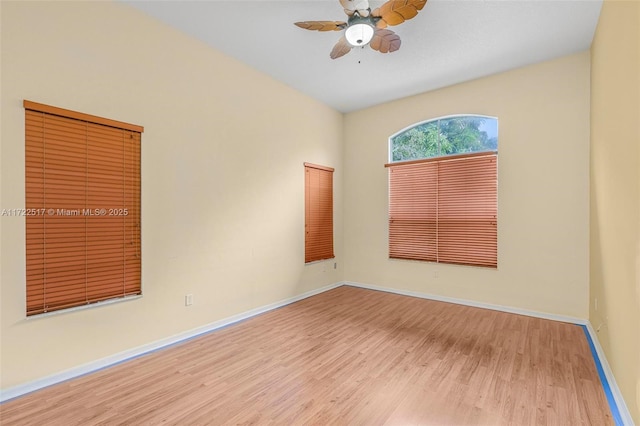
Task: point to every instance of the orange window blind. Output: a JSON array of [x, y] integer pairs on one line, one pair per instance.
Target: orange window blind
[[318, 241], [445, 210], [83, 202]]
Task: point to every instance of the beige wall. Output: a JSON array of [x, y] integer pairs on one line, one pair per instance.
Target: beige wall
[[543, 208], [615, 193], [222, 177]]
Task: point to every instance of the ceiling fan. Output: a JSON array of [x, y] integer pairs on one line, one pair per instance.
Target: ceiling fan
[[368, 27]]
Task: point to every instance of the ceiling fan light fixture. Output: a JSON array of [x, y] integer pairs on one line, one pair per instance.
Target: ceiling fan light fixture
[[359, 34], [367, 27]]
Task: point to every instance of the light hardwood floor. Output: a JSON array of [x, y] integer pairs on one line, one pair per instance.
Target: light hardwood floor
[[348, 356]]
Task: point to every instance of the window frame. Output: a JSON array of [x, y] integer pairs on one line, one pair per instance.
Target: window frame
[[439, 159]]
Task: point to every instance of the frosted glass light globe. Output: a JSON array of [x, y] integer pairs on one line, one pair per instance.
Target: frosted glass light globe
[[359, 34]]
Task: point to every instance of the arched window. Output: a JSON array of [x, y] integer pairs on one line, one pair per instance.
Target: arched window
[[443, 191], [451, 135]]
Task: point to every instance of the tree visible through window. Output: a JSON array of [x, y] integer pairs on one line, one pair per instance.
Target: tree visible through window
[[446, 136], [443, 191]]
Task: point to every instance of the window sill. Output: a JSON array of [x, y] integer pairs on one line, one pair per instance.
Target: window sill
[[84, 307]]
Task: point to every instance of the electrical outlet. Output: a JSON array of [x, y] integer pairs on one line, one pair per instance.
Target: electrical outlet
[[335, 265], [435, 274], [188, 300]]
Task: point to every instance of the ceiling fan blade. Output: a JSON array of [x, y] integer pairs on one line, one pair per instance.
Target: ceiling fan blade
[[341, 48], [385, 41], [395, 12], [351, 6], [322, 25]]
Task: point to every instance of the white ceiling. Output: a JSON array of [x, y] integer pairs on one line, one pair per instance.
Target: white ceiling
[[450, 41]]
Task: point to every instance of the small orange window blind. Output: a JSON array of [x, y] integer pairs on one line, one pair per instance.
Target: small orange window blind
[[318, 200]]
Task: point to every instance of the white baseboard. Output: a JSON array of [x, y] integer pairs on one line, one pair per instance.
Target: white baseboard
[[624, 419], [93, 366], [473, 303]]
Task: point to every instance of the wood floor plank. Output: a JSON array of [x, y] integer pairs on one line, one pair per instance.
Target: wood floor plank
[[347, 356]]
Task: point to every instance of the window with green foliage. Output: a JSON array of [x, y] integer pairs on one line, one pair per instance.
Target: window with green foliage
[[443, 191], [445, 136]]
